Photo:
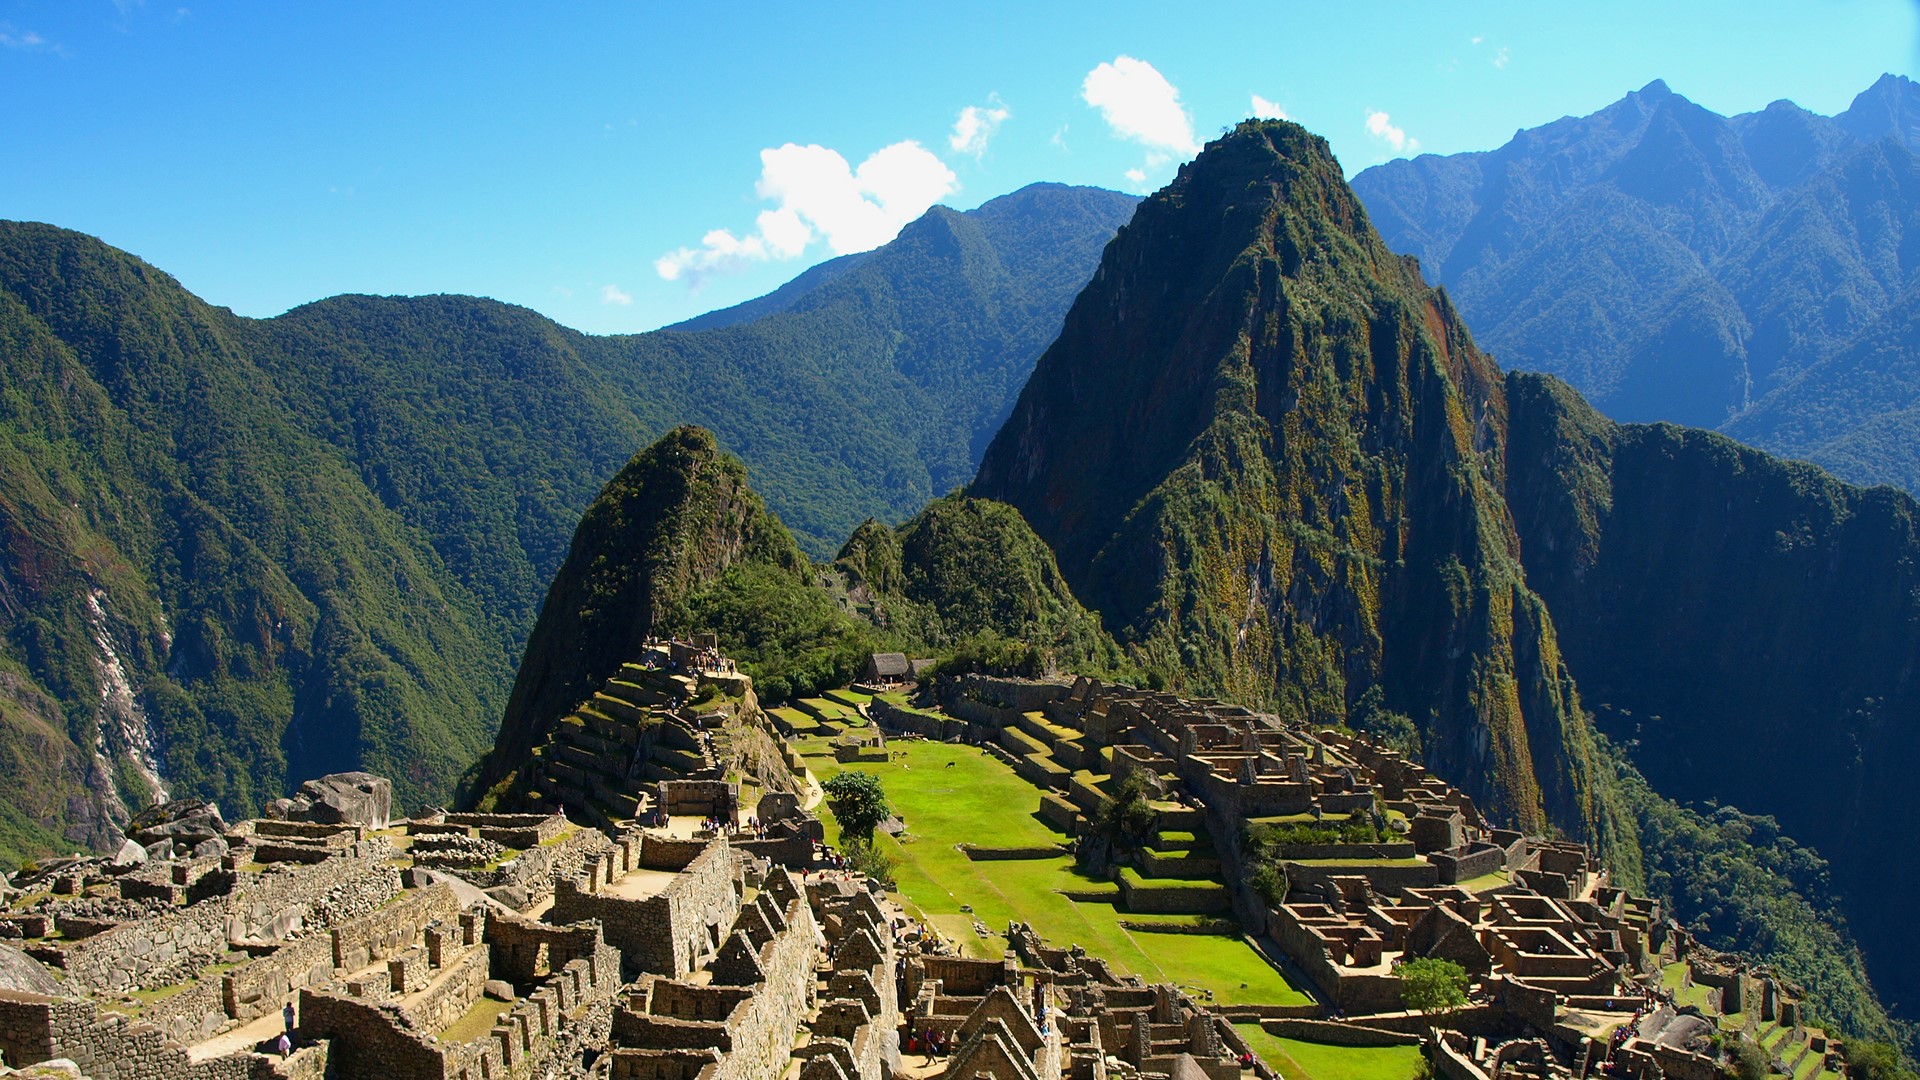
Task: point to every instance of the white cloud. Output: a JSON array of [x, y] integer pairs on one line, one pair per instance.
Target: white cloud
[[1267, 110], [819, 196], [976, 125], [1059, 137], [1137, 176], [12, 37], [1477, 39], [611, 294], [1140, 104], [1500, 58], [1380, 126]]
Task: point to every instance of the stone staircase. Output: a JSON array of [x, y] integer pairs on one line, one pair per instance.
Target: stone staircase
[[635, 731]]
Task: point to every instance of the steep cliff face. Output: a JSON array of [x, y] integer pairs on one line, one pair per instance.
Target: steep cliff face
[[668, 525], [1271, 457], [1754, 624]]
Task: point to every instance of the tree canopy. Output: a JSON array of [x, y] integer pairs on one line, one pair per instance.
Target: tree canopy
[[858, 802]]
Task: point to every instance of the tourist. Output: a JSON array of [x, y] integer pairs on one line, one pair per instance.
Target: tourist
[[284, 1044], [286, 1014]]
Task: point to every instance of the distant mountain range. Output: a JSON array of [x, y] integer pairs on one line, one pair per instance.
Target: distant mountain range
[[1754, 273], [237, 552]]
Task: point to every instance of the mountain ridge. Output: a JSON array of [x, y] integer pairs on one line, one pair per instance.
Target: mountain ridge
[[1675, 264]]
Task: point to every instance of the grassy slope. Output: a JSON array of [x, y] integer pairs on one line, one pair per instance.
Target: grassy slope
[[980, 801], [1297, 1060]]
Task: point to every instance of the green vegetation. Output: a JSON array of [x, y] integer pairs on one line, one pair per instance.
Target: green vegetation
[[1432, 986], [936, 878], [1297, 1060], [1264, 838], [858, 803], [317, 542], [273, 618], [1741, 885], [1127, 821]]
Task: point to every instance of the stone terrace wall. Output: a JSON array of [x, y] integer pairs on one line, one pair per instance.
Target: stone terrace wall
[[259, 986], [369, 1039], [107, 1046], [666, 934], [393, 928], [915, 722], [162, 949], [458, 986]]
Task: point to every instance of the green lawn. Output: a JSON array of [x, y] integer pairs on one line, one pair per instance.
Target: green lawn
[[1496, 880], [979, 800], [1701, 997], [1296, 1060]]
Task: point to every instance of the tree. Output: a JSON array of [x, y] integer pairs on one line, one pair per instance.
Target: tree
[[1868, 1060], [1749, 1061], [865, 858], [1432, 986], [859, 804]]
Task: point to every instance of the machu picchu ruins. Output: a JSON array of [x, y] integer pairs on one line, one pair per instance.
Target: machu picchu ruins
[[659, 900]]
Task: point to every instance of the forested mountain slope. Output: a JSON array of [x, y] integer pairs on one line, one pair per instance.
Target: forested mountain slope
[[247, 551]]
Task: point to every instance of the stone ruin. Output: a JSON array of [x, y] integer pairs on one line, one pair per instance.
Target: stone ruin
[[462, 946]]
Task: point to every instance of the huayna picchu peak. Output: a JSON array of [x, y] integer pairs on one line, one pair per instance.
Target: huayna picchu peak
[[1271, 457]]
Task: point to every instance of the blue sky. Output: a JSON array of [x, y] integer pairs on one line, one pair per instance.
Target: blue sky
[[582, 159]]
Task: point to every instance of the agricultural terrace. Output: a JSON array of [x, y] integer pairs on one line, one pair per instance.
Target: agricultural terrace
[[950, 795], [1297, 1060]]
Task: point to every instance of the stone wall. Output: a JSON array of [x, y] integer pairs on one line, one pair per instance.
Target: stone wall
[[1390, 879], [1337, 1033], [107, 1046], [457, 986], [1467, 863], [369, 1039], [659, 852], [260, 985], [170, 947], [194, 1013], [1015, 695], [915, 722], [393, 928], [669, 933]]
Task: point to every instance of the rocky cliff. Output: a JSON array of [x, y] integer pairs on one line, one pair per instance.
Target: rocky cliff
[[1751, 625], [1273, 459]]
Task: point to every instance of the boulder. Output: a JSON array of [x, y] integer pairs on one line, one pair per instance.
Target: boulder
[[513, 896], [131, 854], [499, 989], [188, 821], [353, 798], [210, 849], [23, 974], [160, 850]]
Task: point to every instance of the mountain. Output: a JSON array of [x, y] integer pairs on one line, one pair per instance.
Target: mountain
[[678, 542], [876, 386], [1269, 455], [668, 525], [1752, 624], [245, 551], [1274, 460], [1675, 264], [199, 597]]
